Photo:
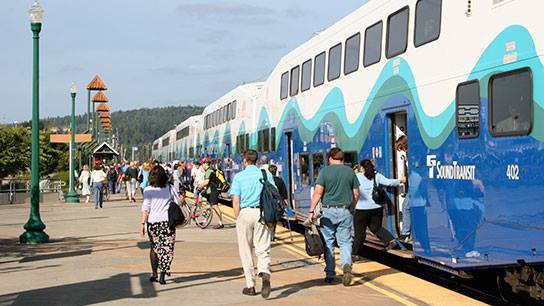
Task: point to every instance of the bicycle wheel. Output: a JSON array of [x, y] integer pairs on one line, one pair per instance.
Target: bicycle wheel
[[186, 211], [203, 215]]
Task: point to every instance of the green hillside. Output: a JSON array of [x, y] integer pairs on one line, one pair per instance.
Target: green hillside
[[135, 127]]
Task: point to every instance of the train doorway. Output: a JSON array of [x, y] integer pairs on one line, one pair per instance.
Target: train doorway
[[398, 166], [289, 166]]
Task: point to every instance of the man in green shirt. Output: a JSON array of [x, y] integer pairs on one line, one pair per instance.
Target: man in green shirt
[[212, 193], [337, 188]]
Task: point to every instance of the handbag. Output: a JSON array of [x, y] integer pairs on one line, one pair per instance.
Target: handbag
[[378, 194], [313, 241], [175, 215]]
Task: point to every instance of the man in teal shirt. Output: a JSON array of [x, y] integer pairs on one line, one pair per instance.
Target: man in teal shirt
[[245, 192]]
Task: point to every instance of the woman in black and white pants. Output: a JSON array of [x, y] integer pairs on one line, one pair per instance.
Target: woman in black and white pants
[[157, 198]]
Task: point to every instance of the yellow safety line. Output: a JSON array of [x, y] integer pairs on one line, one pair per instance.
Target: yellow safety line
[[295, 251]]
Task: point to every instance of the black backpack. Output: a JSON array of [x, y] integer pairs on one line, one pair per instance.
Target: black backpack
[[313, 241], [271, 203]]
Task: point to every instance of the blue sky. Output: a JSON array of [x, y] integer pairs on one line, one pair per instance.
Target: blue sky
[[150, 53]]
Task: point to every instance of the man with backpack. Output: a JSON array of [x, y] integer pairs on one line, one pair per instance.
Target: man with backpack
[[212, 193], [337, 188], [112, 177], [252, 226]]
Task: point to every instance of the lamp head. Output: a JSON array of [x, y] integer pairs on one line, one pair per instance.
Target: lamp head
[[73, 89], [35, 13]]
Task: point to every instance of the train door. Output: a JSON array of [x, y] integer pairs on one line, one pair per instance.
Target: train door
[[289, 166], [398, 166]]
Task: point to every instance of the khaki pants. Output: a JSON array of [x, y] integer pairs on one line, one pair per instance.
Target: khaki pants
[[253, 234]]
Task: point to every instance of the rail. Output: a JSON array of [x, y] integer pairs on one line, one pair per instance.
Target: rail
[[21, 185]]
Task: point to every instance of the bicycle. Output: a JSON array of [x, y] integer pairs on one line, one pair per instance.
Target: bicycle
[[200, 212]]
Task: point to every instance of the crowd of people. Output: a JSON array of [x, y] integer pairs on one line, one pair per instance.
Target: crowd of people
[[342, 203]]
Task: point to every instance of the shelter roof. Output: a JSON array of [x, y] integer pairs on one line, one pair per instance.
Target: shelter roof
[[97, 84], [102, 107], [100, 97]]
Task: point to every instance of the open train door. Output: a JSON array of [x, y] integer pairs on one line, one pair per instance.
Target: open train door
[[397, 167], [288, 173]]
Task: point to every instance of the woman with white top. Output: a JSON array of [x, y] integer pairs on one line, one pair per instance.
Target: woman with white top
[[157, 198], [84, 180], [367, 212], [98, 178]]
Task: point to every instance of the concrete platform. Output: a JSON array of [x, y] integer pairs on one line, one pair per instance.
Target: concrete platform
[[98, 257]]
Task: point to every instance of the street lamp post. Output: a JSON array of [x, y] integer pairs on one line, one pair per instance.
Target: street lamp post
[[133, 149], [34, 228], [71, 197]]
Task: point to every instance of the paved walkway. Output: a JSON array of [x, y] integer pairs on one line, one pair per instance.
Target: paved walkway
[[98, 257]]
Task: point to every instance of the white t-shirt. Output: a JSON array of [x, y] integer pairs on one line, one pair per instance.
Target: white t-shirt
[[157, 202], [98, 176]]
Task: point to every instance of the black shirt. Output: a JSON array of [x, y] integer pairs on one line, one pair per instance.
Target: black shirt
[[281, 187]]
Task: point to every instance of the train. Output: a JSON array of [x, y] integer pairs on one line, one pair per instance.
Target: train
[[460, 79]]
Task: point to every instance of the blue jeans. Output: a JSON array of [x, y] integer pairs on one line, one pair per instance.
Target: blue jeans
[[98, 194], [406, 221], [112, 186], [336, 225]]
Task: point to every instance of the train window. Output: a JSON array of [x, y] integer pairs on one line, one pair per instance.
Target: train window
[[335, 62], [304, 164], [428, 20], [246, 142], [191, 152], [273, 139], [318, 162], [373, 44], [511, 103], [225, 114], [397, 33], [468, 109], [266, 140], [353, 49], [229, 111], [295, 78], [350, 159], [319, 69], [306, 82], [284, 91], [234, 110]]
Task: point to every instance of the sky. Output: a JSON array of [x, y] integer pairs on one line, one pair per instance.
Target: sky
[[150, 53]]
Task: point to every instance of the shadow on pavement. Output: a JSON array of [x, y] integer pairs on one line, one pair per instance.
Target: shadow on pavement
[[117, 287]]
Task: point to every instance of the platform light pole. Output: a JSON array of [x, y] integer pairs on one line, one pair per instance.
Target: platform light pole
[[71, 197], [34, 227], [133, 149]]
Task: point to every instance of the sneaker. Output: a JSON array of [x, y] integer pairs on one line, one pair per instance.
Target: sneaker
[[249, 291], [218, 226], [265, 291], [392, 245], [355, 258], [346, 278], [329, 279]]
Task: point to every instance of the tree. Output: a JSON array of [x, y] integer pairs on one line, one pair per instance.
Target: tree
[[14, 150]]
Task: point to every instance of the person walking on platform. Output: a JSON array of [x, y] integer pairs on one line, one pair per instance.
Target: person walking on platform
[[157, 198], [337, 188], [281, 189], [245, 192], [131, 175], [212, 193], [367, 212], [98, 180], [85, 181], [112, 177]]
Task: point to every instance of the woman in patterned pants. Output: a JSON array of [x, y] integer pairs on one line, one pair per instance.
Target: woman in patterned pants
[[157, 198]]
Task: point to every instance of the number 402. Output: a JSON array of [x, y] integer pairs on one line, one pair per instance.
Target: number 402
[[512, 172]]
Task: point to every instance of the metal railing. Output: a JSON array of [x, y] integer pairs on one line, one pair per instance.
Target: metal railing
[[21, 185]]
